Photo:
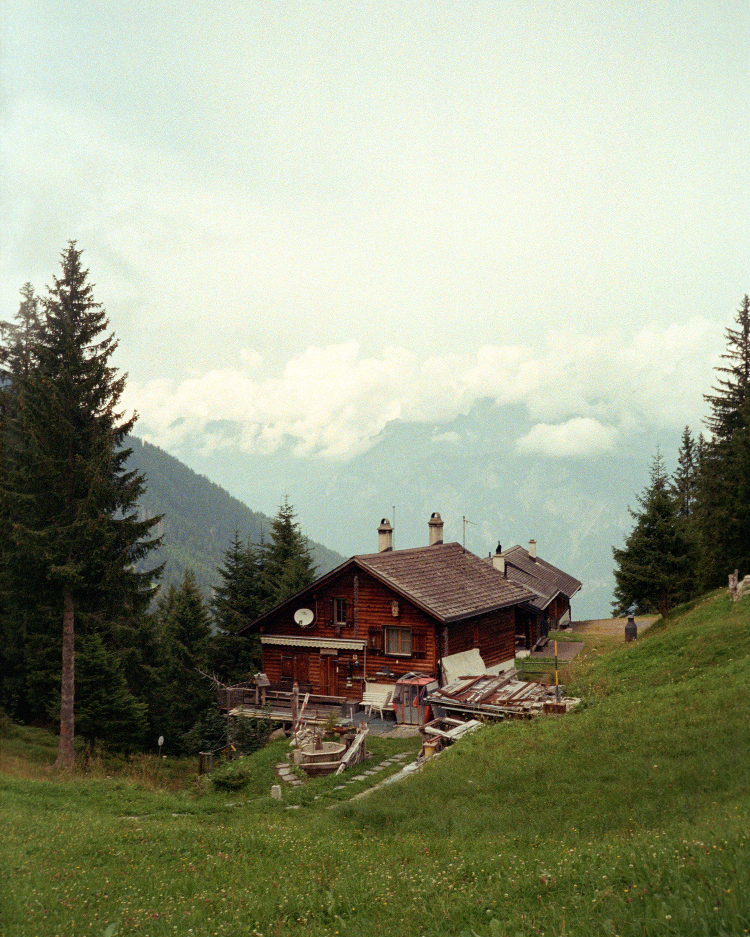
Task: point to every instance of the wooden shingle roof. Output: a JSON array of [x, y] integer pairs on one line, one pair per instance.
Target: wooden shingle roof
[[542, 578], [445, 580]]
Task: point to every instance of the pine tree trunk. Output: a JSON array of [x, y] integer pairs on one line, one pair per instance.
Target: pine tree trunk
[[66, 752]]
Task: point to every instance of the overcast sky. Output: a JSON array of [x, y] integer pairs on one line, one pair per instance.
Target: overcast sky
[[310, 218]]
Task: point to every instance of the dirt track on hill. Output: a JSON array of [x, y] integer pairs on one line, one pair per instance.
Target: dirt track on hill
[[610, 626]]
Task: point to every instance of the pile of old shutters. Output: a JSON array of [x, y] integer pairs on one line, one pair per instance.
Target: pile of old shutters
[[499, 697]]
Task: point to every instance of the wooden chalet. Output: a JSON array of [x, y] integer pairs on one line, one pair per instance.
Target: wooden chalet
[[382, 615], [552, 588]]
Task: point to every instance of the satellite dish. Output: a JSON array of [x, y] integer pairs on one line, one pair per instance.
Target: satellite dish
[[304, 617]]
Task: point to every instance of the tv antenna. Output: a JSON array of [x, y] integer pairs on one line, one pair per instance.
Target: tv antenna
[[466, 523]]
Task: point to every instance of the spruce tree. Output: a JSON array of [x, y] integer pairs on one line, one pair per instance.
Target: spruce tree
[[106, 710], [19, 338], [733, 383], [70, 504], [653, 570], [723, 506], [185, 635], [723, 501], [236, 602], [287, 561], [17, 357], [685, 478]]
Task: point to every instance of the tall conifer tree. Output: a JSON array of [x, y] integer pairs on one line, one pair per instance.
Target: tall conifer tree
[[287, 561], [685, 478], [19, 338], [185, 636], [723, 503], [733, 383], [653, 569], [17, 625], [70, 501], [237, 601]]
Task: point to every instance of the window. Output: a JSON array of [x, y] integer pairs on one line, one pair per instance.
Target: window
[[398, 641], [339, 611]]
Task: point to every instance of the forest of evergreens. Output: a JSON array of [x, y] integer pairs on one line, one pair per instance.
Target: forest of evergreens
[[692, 528], [104, 625]]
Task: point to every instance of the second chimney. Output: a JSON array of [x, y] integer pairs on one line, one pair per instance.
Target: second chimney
[[385, 536], [435, 527], [532, 549], [498, 560]]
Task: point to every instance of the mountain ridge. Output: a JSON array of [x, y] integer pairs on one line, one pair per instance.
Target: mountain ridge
[[472, 470], [199, 519]]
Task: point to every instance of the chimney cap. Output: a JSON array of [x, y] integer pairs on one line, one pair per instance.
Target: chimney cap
[[435, 528], [385, 536], [499, 548]]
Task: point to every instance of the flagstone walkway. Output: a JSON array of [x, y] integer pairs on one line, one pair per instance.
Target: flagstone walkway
[[286, 772]]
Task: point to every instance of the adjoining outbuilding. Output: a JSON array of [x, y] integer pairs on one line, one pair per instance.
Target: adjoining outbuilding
[[551, 587]]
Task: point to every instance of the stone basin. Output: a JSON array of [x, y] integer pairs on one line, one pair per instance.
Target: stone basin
[[325, 751]]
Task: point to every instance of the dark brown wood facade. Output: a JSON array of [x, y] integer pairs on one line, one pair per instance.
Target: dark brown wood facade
[[533, 624], [362, 629], [557, 609], [494, 634], [529, 627]]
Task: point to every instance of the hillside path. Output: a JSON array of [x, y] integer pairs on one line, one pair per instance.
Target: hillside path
[[611, 626]]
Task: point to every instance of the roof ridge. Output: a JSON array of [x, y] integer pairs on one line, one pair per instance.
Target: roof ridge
[[425, 547]]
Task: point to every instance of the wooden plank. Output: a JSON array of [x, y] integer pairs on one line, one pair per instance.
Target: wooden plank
[[465, 727], [301, 717], [353, 750], [431, 730]]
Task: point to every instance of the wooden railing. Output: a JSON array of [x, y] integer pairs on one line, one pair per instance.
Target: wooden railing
[[278, 699]]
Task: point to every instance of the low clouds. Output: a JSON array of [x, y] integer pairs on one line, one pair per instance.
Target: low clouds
[[578, 438], [584, 395], [231, 299]]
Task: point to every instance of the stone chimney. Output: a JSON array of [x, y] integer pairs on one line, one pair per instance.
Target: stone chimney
[[385, 536], [498, 560], [532, 549], [435, 527]]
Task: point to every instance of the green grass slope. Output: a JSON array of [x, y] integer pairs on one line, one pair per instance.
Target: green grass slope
[[663, 735], [629, 817]]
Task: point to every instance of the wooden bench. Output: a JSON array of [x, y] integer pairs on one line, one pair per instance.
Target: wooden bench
[[377, 696]]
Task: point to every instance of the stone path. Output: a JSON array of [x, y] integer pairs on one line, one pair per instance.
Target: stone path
[[287, 775]]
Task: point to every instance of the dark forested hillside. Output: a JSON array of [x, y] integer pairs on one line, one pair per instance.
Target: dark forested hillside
[[200, 518]]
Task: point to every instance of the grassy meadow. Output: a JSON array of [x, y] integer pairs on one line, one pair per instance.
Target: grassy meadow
[[628, 817]]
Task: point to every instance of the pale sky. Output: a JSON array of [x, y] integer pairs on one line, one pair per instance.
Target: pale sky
[[310, 218]]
